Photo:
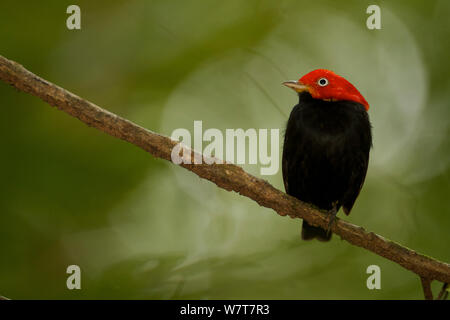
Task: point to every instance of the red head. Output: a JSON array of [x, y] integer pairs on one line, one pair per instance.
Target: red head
[[326, 85]]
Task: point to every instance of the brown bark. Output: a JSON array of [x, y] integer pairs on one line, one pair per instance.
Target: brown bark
[[426, 286]]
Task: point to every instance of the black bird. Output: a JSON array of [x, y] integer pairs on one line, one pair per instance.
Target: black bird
[[326, 146]]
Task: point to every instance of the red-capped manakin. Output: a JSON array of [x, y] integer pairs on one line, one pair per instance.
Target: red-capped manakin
[[326, 145]]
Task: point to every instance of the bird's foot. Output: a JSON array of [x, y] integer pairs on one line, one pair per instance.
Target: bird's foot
[[332, 214]]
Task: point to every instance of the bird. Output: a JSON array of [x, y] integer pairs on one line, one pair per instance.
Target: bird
[[327, 141]]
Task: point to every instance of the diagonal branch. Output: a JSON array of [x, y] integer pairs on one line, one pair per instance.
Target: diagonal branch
[[227, 176], [443, 294]]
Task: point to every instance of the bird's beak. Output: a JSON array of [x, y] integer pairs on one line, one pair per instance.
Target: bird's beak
[[296, 86]]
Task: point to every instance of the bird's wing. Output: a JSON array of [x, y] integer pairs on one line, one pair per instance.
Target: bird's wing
[[284, 169], [355, 183]]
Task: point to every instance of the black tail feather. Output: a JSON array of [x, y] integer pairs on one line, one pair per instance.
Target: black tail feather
[[310, 232]]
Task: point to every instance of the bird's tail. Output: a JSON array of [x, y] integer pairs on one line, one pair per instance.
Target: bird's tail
[[310, 232]]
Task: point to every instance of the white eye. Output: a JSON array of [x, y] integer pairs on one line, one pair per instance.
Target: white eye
[[322, 82]]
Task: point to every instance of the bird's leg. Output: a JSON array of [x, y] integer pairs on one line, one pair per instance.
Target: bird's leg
[[332, 214]]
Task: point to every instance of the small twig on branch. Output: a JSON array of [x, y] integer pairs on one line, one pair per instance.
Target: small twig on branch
[[3, 298], [227, 176], [444, 292], [426, 285]]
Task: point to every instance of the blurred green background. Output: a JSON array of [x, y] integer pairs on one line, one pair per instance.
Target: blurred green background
[[142, 228]]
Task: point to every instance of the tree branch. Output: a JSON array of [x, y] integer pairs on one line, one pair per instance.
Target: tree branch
[[426, 286], [227, 176]]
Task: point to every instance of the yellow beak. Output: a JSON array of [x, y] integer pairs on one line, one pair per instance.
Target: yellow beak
[[296, 86]]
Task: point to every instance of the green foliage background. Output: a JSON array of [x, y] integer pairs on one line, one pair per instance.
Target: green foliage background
[[141, 228]]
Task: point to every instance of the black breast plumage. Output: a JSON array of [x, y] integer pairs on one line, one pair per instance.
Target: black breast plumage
[[325, 155]]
